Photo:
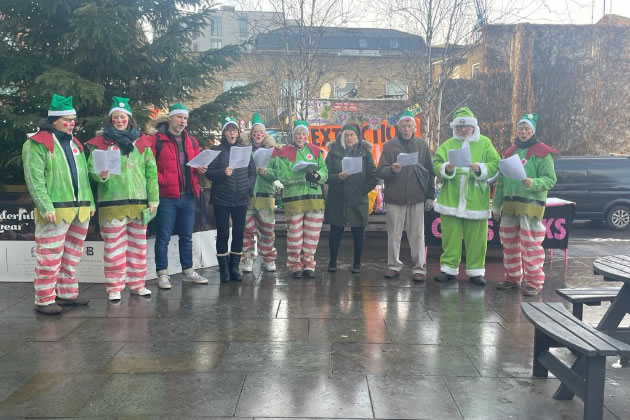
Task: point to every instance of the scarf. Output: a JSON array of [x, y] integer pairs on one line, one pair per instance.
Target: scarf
[[124, 138], [525, 144]]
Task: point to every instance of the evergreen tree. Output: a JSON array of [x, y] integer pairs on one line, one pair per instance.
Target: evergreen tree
[[95, 49]]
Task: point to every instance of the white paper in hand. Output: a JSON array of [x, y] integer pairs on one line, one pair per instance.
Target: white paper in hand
[[106, 160], [460, 157], [203, 159], [262, 157], [304, 166], [240, 156], [99, 157], [352, 165], [406, 159], [512, 168]]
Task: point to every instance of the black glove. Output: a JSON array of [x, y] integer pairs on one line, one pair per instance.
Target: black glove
[[312, 177]]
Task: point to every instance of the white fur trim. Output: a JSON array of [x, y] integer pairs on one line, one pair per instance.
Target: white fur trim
[[62, 113], [464, 214], [448, 270], [178, 111], [260, 124], [230, 123], [476, 272], [111, 111], [528, 122], [406, 117], [484, 172], [472, 121], [443, 172], [296, 128]]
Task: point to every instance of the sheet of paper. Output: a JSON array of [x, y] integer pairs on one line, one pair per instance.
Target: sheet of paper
[[107, 160], [305, 166], [113, 162], [352, 165], [240, 156], [100, 160], [406, 159], [512, 167], [262, 157], [460, 157], [203, 159]]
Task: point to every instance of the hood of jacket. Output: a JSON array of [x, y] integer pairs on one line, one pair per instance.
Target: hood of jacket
[[160, 124], [334, 147], [268, 142]]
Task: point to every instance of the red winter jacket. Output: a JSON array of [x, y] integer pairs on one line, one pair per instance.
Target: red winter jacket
[[168, 166]]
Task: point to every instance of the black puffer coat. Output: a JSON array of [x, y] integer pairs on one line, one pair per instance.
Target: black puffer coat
[[234, 190], [347, 200]]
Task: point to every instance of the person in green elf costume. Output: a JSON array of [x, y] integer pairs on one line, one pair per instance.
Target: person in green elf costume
[[122, 199], [520, 205], [260, 221], [464, 199], [300, 167], [56, 175]]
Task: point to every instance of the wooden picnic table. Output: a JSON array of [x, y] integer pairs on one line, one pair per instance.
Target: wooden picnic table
[[615, 268]]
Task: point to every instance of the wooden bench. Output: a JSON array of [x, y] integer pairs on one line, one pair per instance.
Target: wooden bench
[[591, 296], [556, 327]]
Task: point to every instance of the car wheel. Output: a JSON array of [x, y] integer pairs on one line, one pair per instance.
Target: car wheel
[[618, 217]]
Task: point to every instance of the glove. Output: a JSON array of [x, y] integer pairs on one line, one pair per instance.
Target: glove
[[428, 205], [312, 177]]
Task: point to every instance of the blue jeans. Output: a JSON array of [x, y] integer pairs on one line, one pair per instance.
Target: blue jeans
[[169, 212]]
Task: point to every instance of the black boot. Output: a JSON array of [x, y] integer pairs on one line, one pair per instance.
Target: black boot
[[334, 239], [358, 237], [224, 268], [235, 260]]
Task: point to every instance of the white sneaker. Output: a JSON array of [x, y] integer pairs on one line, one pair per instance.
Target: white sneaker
[[195, 277], [271, 266], [142, 292], [114, 296], [164, 281], [247, 265]]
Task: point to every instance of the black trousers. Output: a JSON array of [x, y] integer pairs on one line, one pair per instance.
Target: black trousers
[[334, 240], [222, 215]]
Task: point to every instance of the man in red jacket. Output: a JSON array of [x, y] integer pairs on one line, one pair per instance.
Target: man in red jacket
[[179, 191]]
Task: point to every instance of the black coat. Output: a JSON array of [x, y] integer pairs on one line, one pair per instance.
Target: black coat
[[347, 200], [234, 190]]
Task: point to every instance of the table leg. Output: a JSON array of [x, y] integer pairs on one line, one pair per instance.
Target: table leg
[[617, 310]]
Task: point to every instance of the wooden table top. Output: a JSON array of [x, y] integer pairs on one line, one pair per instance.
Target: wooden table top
[[613, 267]]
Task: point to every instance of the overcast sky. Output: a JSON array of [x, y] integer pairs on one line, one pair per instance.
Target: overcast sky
[[535, 11]]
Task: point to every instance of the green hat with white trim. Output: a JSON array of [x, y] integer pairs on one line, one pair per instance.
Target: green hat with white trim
[[406, 115], [256, 120], [177, 109], [297, 124], [529, 119], [463, 116], [225, 121], [60, 106], [120, 104]]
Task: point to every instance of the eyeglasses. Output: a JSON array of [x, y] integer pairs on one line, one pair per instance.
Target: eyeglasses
[[231, 129]]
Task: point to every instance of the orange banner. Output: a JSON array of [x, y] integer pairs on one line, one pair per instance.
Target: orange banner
[[323, 134]]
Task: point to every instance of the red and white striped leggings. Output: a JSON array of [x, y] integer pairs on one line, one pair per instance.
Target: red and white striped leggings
[[522, 238], [125, 254], [58, 250], [303, 231], [260, 223]]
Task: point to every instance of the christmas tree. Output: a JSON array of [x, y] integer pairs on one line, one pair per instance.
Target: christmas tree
[[95, 49]]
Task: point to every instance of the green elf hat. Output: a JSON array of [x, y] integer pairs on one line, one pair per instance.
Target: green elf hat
[[177, 109], [120, 104], [464, 116], [297, 124], [406, 115], [225, 121], [256, 120], [529, 119], [60, 106]]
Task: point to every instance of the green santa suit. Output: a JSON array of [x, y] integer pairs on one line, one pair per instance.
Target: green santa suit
[[464, 199]]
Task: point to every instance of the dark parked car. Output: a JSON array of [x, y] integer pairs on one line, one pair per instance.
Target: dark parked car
[[600, 187]]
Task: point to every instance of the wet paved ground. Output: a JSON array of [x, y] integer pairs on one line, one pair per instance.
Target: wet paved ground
[[338, 346]]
